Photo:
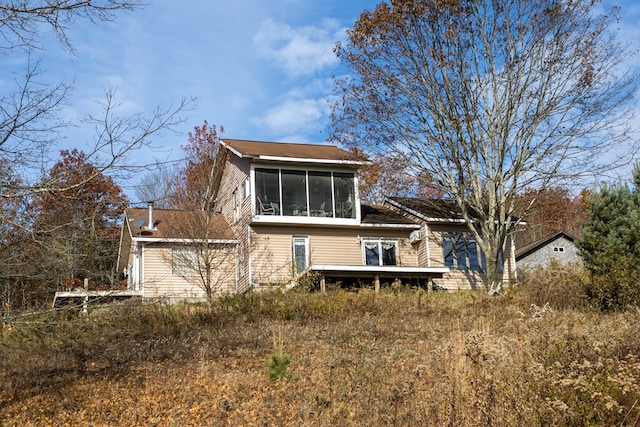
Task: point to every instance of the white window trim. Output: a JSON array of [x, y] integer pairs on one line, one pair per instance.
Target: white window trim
[[379, 241], [306, 219], [299, 241]]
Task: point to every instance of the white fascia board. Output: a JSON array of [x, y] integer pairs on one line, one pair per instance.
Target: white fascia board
[[234, 151], [407, 226], [310, 160], [176, 240], [379, 269]]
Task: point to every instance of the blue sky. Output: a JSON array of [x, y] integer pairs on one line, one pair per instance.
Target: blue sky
[[262, 69]]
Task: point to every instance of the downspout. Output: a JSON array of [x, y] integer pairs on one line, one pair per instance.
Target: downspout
[[426, 242]]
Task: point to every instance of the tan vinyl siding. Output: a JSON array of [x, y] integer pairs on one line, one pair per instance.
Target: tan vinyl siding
[[434, 237], [422, 247], [159, 282], [235, 173], [272, 251], [461, 280], [271, 258]]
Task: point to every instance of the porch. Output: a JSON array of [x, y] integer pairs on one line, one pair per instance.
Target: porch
[[377, 272]]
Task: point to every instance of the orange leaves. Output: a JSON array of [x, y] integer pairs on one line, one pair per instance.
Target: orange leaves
[[193, 187]]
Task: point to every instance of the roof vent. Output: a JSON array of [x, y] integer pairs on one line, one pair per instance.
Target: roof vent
[[151, 225]]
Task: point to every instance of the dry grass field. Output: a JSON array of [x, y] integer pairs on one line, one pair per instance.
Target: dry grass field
[[538, 355]]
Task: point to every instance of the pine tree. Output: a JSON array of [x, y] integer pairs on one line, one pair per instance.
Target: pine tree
[[610, 246]]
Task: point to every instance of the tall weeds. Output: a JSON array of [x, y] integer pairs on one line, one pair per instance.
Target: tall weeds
[[398, 357]]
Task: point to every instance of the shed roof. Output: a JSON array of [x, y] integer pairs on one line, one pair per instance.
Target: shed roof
[[427, 209], [381, 215]]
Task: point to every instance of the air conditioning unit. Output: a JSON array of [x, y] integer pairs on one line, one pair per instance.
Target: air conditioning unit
[[415, 237]]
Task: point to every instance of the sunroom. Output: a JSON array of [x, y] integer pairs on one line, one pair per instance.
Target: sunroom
[[304, 195]]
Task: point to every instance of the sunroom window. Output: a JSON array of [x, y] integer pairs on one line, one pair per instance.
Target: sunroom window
[[303, 193], [268, 191]]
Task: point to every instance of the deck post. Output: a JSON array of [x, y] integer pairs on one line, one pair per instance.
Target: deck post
[[377, 283], [323, 284], [85, 300], [430, 284]]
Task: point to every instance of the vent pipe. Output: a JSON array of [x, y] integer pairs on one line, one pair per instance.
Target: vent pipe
[[150, 225]]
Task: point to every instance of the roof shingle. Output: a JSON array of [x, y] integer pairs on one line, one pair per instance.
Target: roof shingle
[[177, 224], [259, 149]]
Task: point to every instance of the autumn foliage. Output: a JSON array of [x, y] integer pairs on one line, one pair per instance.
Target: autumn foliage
[[77, 228], [549, 210], [194, 183]]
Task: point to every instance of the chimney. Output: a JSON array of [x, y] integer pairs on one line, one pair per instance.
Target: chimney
[[150, 225]]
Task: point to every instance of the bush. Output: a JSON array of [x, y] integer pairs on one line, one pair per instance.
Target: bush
[[563, 286]]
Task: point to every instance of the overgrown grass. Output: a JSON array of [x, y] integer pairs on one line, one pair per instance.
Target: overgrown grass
[[538, 355]]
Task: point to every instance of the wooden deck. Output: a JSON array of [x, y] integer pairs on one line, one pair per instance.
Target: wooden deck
[[84, 298]]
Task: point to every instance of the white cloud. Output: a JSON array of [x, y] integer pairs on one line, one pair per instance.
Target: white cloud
[[295, 115], [299, 51]]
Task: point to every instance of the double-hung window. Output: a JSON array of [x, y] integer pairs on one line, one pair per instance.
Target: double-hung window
[[380, 252]]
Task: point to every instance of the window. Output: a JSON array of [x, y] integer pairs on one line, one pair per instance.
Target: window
[[237, 203], [320, 194], [461, 252], [344, 184], [294, 193], [268, 191], [302, 193], [184, 261], [380, 252], [300, 254]]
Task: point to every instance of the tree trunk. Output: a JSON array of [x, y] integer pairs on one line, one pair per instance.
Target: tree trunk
[[494, 272]]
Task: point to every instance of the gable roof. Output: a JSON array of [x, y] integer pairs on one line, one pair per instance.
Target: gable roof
[[381, 215], [437, 210], [536, 245], [172, 225], [280, 151]]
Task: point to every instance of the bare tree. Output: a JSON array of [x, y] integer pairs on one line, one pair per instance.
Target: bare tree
[[31, 122], [488, 98], [158, 186], [207, 256], [22, 22]]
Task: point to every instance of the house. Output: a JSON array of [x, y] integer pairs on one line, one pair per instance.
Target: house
[[559, 247], [290, 212], [295, 210], [177, 254], [444, 240]]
